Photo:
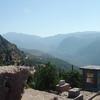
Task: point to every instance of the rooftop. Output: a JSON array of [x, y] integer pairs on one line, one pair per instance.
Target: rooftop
[[91, 67]]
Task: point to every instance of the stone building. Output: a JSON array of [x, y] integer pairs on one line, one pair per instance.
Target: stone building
[[91, 77]]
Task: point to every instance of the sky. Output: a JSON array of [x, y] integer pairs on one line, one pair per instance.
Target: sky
[[49, 17]]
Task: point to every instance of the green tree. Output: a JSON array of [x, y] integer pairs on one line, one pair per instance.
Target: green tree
[[46, 77], [74, 77]]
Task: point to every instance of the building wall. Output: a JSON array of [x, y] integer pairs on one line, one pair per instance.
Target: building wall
[[89, 86], [98, 79]]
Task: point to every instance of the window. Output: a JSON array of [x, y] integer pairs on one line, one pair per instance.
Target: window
[[90, 77]]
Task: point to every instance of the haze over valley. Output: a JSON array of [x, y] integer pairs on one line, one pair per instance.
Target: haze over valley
[[79, 48]]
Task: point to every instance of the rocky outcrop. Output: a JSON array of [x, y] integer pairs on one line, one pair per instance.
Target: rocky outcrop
[[12, 81], [9, 53]]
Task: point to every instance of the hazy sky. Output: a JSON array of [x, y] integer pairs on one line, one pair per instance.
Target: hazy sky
[[49, 17]]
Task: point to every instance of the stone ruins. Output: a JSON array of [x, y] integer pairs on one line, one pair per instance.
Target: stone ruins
[[12, 82]]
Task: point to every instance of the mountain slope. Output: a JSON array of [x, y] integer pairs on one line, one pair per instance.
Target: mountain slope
[[27, 41], [38, 57], [90, 54], [9, 53]]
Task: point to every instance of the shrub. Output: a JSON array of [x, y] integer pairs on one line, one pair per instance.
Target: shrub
[[45, 78]]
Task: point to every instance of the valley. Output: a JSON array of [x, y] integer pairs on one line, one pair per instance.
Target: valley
[[80, 48]]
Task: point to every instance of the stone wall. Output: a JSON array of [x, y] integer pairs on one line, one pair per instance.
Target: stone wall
[[12, 81]]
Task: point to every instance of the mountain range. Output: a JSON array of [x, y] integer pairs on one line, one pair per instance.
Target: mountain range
[[80, 48], [10, 54]]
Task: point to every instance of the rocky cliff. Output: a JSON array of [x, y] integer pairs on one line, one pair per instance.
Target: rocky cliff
[[12, 81]]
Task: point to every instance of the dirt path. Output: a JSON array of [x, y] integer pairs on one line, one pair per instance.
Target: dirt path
[[31, 94]]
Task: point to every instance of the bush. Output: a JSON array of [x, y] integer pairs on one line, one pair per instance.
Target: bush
[[45, 78], [73, 77]]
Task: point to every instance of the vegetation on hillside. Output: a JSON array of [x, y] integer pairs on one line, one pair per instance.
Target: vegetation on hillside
[[9, 53], [74, 77], [34, 57], [46, 77]]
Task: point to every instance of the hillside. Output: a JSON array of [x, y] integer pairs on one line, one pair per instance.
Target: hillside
[[90, 54], [79, 48], [37, 57], [9, 53]]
